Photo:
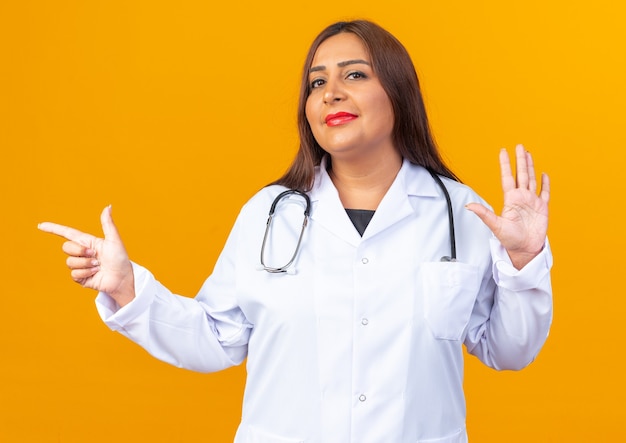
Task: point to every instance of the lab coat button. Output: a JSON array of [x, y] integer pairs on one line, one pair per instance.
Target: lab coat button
[[364, 261], [362, 398], [364, 321]]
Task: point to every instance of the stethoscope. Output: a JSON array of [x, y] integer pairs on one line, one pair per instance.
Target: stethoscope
[[307, 213]]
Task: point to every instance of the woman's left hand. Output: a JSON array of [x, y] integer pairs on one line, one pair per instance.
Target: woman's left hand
[[523, 225]]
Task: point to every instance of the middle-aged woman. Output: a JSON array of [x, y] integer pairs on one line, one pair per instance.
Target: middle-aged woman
[[360, 340]]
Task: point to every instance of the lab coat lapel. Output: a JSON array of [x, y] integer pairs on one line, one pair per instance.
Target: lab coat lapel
[[328, 211], [394, 206]]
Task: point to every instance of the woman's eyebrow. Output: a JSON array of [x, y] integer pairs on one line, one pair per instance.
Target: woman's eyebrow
[[341, 64], [353, 62]]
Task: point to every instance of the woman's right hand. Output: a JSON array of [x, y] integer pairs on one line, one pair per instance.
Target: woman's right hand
[[98, 263]]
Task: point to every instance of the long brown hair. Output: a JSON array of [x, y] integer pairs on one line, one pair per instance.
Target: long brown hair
[[393, 66]]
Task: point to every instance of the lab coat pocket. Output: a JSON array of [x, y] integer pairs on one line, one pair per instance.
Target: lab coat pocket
[[449, 292], [458, 437], [254, 435]]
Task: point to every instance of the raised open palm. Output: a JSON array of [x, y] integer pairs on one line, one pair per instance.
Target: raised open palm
[[523, 223]]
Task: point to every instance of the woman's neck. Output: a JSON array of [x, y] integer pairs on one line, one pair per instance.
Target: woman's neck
[[363, 185]]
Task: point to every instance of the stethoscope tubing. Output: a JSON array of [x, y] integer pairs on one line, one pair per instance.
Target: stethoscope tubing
[[446, 194], [307, 213]]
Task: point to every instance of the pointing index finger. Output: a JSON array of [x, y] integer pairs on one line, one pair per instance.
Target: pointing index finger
[[68, 233]]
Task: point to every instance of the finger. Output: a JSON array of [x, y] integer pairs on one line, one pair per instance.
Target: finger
[[488, 217], [81, 262], [68, 233], [108, 227], [530, 167], [508, 182], [74, 249], [545, 188], [521, 167], [80, 275]]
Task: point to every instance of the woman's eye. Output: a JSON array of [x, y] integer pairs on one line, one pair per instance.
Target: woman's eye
[[317, 83], [356, 75]]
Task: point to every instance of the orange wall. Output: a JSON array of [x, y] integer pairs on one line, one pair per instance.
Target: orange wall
[[177, 112]]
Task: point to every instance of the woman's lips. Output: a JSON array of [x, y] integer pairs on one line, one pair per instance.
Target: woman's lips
[[339, 118]]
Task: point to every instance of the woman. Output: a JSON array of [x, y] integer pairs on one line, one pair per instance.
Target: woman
[[360, 339]]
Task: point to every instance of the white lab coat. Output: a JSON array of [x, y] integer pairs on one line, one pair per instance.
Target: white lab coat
[[363, 342]]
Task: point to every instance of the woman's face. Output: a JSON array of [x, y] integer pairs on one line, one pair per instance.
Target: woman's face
[[348, 110]]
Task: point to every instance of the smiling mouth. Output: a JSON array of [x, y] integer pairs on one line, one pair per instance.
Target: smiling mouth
[[339, 118]]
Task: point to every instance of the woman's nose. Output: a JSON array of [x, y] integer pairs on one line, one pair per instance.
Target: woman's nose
[[332, 92]]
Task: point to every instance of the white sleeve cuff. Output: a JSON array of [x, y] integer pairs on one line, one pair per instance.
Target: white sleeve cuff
[[507, 276], [145, 290]]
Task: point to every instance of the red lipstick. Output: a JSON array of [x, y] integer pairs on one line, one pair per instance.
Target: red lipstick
[[339, 118]]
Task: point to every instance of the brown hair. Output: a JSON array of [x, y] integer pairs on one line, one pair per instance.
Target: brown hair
[[393, 66]]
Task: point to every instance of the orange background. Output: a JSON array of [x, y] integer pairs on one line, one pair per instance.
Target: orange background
[[177, 112]]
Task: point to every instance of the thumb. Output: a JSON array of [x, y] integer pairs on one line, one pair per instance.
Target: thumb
[[108, 227], [488, 217]]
